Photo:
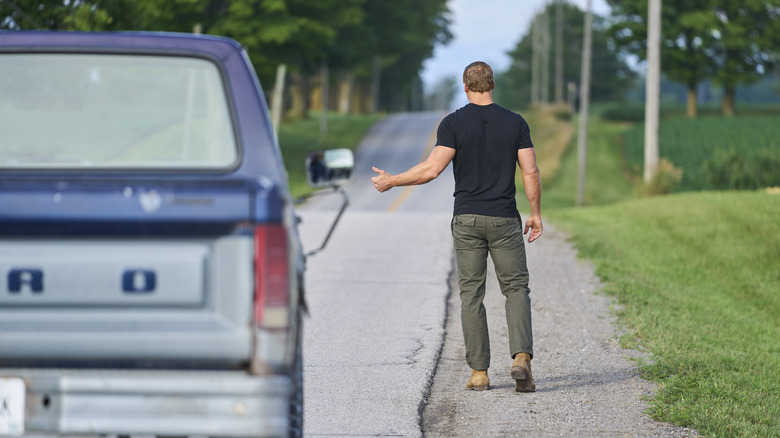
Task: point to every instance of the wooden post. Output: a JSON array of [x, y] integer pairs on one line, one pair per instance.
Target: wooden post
[[652, 88], [582, 136], [535, 61], [559, 52], [278, 96], [376, 72], [545, 85], [325, 104]]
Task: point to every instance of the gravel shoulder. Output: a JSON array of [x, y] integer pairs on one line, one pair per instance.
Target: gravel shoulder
[[586, 383]]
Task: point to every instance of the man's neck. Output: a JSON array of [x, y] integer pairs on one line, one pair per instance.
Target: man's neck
[[482, 99]]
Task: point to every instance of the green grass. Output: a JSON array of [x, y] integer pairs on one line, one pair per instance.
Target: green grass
[[298, 138], [698, 276], [740, 152], [551, 134], [605, 181]]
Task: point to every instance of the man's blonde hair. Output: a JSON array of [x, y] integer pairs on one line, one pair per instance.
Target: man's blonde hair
[[478, 77]]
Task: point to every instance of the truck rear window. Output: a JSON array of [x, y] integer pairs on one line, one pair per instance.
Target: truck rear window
[[101, 111]]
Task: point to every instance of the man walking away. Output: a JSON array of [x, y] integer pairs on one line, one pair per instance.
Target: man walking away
[[485, 142]]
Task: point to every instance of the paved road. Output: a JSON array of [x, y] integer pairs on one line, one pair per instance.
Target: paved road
[[395, 144], [383, 316], [378, 292]]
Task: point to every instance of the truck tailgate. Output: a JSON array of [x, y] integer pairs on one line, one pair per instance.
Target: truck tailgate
[[128, 285]]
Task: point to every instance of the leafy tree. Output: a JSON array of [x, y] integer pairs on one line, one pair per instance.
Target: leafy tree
[[53, 15], [747, 39], [304, 34], [687, 54], [154, 15], [611, 76], [298, 33], [733, 41], [404, 33]]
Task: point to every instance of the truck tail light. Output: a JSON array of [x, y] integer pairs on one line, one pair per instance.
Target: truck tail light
[[272, 280]]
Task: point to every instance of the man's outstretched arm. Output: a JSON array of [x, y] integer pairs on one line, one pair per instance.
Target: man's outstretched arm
[[422, 173]]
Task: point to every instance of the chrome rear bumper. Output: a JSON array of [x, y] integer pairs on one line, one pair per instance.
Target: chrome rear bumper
[[161, 403]]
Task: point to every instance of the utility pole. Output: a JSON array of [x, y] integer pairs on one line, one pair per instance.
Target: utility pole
[[276, 103], [325, 99], [376, 71], [535, 60], [414, 100], [652, 88], [545, 57], [559, 52], [582, 136]]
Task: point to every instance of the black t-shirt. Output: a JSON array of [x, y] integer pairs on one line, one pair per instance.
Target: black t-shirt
[[486, 140]]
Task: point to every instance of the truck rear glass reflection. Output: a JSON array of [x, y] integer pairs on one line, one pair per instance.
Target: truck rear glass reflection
[[82, 111]]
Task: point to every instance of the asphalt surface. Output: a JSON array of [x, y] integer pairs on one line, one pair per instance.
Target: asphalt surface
[[383, 353], [378, 291], [375, 331]]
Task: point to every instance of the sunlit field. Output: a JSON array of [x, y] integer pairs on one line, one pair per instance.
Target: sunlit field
[[723, 153]]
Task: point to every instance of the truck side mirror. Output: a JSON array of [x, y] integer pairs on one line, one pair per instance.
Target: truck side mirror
[[330, 168]]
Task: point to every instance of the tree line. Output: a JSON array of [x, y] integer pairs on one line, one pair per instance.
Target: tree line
[[611, 74], [732, 42], [727, 42], [358, 40]]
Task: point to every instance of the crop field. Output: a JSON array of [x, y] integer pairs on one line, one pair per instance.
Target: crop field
[[719, 153]]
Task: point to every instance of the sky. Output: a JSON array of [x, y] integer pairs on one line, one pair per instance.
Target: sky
[[484, 30]]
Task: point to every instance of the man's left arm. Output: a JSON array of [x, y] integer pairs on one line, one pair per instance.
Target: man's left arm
[[533, 191], [422, 173]]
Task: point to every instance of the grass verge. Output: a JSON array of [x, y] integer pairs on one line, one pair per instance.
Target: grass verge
[[698, 277], [605, 180], [298, 138], [551, 136]]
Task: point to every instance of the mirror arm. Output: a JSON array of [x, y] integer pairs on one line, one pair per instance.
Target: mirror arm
[[344, 205]]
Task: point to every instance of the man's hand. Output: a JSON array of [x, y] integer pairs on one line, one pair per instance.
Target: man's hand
[[421, 173], [534, 223], [382, 181]]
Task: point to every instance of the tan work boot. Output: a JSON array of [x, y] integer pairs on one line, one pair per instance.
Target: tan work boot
[[521, 372], [479, 381]]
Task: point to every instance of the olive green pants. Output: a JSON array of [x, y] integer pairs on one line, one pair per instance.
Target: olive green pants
[[474, 237]]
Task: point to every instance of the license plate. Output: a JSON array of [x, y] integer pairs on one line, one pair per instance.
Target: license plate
[[12, 394]]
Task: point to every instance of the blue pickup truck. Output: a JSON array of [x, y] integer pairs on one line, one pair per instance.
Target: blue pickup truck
[[151, 273]]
